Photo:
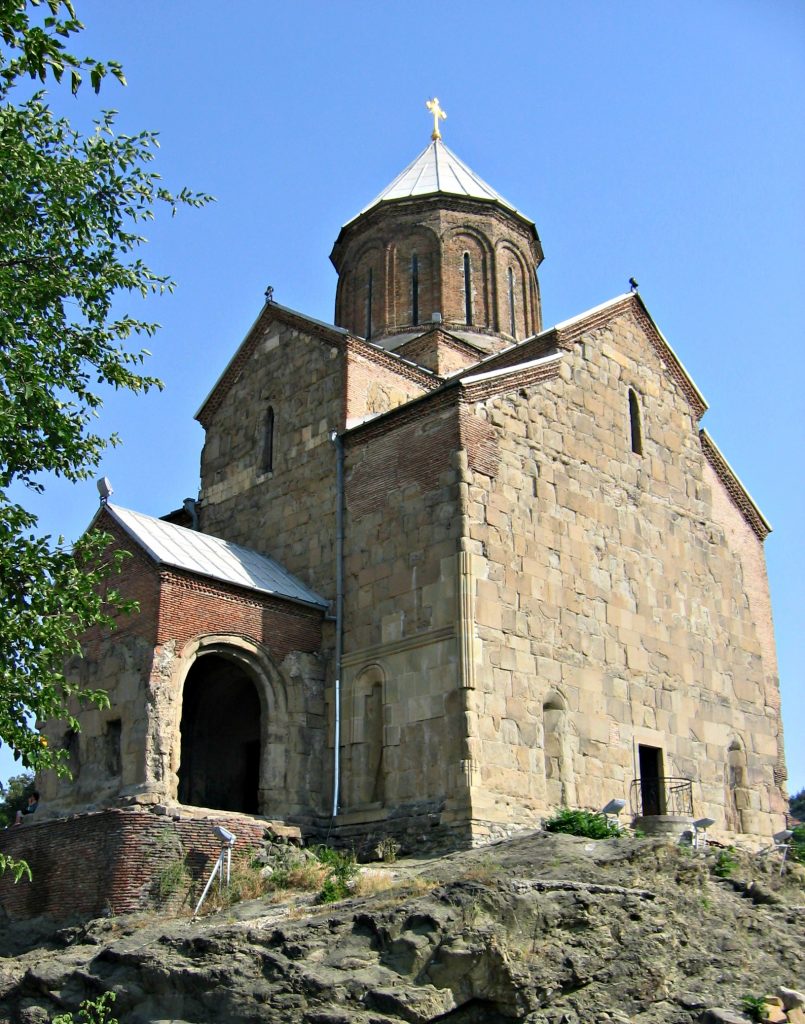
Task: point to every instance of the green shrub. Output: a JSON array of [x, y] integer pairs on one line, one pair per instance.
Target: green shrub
[[91, 1011], [172, 878], [796, 847], [754, 1007], [341, 870], [725, 863], [589, 824]]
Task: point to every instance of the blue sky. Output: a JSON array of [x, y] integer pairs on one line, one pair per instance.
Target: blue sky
[[664, 141]]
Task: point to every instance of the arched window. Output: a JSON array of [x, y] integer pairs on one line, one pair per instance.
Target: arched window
[[369, 306], [414, 289], [512, 322], [268, 442], [560, 786], [467, 288], [635, 424]]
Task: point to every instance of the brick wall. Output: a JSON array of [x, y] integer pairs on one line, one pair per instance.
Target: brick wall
[[108, 862], [442, 230]]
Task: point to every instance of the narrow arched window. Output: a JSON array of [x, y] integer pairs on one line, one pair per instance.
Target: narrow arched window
[[635, 425], [414, 289], [511, 302], [369, 305], [268, 441], [467, 289]]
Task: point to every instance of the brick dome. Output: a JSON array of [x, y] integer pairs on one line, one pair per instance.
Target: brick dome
[[438, 240]]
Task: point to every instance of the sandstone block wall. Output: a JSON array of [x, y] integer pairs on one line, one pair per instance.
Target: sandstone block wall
[[611, 610], [289, 511], [402, 701]]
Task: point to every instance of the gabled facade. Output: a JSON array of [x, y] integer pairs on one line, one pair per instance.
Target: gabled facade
[[528, 578]]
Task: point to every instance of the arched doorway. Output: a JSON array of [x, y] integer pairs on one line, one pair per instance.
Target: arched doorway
[[220, 737]]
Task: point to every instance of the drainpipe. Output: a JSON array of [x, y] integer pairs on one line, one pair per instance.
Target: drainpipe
[[339, 608]]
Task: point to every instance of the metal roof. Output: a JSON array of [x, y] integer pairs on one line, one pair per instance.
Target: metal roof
[[199, 553], [438, 169]]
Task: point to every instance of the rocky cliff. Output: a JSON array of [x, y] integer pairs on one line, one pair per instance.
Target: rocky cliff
[[541, 929]]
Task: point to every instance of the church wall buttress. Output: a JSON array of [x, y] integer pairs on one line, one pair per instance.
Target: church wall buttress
[[400, 620]]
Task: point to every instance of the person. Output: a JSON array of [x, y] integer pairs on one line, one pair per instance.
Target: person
[[33, 803]]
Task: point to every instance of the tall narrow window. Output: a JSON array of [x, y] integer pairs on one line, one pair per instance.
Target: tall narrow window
[[511, 302], [268, 441], [414, 289], [467, 289], [635, 424], [369, 306]]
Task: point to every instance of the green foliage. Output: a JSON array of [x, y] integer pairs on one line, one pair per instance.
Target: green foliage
[[91, 1011], [70, 210], [172, 879], [754, 1007], [588, 824], [797, 805], [725, 863], [796, 846], [15, 798], [341, 870]]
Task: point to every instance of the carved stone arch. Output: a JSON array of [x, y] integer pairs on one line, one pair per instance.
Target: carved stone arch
[[468, 300], [557, 747], [422, 242], [737, 793], [231, 720], [364, 302], [366, 783], [508, 255]]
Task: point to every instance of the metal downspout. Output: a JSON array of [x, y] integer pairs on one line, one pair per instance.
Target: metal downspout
[[339, 609]]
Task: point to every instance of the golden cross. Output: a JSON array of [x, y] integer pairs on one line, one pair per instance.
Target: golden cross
[[438, 113]]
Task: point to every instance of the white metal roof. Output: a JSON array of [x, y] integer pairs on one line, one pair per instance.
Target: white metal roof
[[438, 169], [180, 548]]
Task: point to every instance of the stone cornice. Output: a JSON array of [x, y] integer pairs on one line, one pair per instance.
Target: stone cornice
[[397, 363], [739, 495], [271, 312]]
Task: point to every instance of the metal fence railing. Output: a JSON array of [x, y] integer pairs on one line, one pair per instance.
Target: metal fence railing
[[663, 794]]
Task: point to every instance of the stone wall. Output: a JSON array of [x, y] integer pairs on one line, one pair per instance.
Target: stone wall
[[110, 862], [131, 750], [611, 608], [287, 512], [402, 707]]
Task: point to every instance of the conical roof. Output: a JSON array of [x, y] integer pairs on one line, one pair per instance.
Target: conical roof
[[438, 169]]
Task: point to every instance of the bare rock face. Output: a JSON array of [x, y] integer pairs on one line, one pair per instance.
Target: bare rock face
[[542, 929]]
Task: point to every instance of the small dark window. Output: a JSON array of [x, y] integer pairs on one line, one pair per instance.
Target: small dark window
[[369, 306], [112, 747], [70, 744], [635, 424], [268, 441], [414, 289], [467, 288], [511, 301]]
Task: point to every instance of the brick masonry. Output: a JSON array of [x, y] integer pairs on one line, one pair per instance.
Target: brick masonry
[[109, 862]]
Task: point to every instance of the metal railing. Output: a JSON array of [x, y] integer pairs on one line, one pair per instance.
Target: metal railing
[[665, 794]]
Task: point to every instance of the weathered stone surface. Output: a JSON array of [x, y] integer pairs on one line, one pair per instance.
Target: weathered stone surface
[[540, 930]]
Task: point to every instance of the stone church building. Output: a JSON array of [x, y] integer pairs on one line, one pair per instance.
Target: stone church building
[[448, 569]]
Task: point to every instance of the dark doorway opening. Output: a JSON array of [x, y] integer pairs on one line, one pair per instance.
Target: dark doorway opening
[[652, 792], [220, 730]]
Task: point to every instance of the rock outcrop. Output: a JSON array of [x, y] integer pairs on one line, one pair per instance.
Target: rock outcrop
[[542, 929]]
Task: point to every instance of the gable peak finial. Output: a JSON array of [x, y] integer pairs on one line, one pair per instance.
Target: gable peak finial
[[438, 114]]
